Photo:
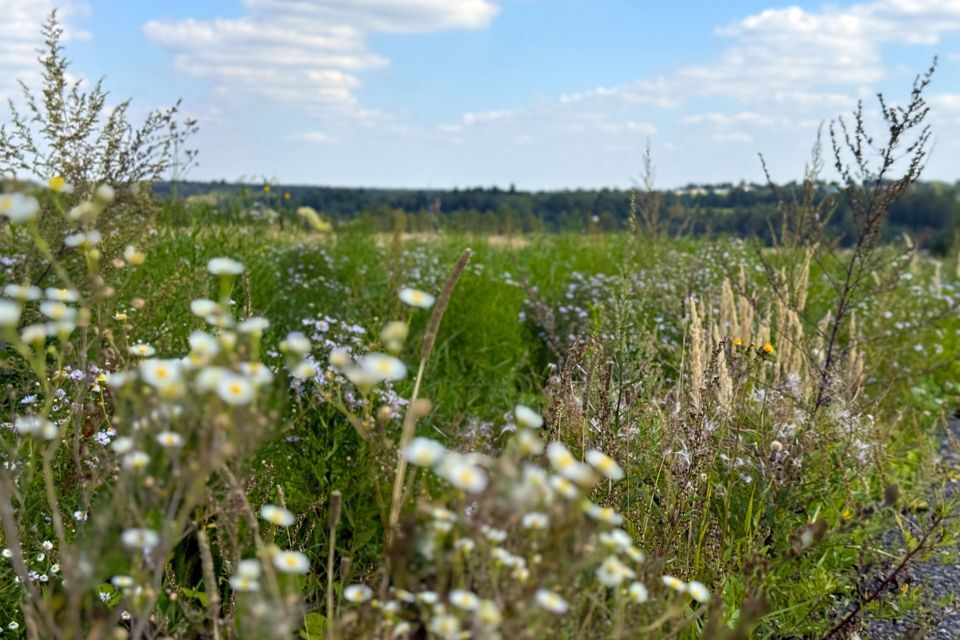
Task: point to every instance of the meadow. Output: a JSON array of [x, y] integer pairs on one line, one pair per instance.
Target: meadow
[[219, 426]]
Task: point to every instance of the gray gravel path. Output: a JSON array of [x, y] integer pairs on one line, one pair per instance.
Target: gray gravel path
[[938, 579]]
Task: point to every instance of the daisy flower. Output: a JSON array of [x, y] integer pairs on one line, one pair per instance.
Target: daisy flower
[[416, 298]]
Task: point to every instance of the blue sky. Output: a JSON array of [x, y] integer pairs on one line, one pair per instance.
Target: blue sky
[[538, 93]]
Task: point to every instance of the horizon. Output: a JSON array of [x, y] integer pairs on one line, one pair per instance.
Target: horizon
[[430, 94]]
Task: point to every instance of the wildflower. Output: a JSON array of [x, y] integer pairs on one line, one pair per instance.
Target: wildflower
[[304, 370], [357, 593], [551, 601], [673, 583], [46, 545], [382, 366], [616, 539], [445, 626], [698, 591], [170, 439], [18, 207], [140, 538], [104, 194], [529, 443], [493, 534], [417, 298], [244, 584], [203, 307], [57, 311], [737, 342], [160, 373], [573, 470], [463, 599], [465, 545], [6, 553], [224, 267], [62, 295], [768, 348], [23, 293], [59, 184], [612, 572], [249, 568], [13, 626], [33, 334], [122, 582], [277, 515], [604, 464], [35, 426], [638, 593], [83, 239], [463, 475], [9, 313], [339, 358], [80, 516], [602, 514], [255, 325], [257, 372], [564, 487], [296, 343], [291, 562], [234, 390], [488, 613], [135, 460], [394, 334], [634, 554], [424, 452], [203, 348], [142, 350], [534, 520], [527, 417], [429, 598], [134, 256]]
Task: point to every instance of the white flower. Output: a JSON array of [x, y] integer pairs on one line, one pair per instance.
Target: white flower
[[62, 295], [9, 313], [297, 343], [33, 333], [304, 370], [203, 348], [564, 487], [534, 520], [235, 390], [257, 372], [142, 350], [339, 358], [603, 514], [527, 417], [568, 466], [57, 310], [424, 452], [122, 445], [612, 572], [616, 539], [18, 207], [89, 238], [244, 584], [140, 538], [204, 308], [463, 599], [122, 582], [160, 373], [604, 464], [277, 515], [698, 591], [253, 325], [249, 569], [170, 439], [639, 593], [23, 293], [291, 562], [35, 426], [445, 626], [382, 366], [224, 267], [357, 593], [463, 475], [135, 460], [105, 194], [46, 545], [676, 584], [529, 443], [362, 378], [133, 256], [209, 378], [417, 298], [551, 601]]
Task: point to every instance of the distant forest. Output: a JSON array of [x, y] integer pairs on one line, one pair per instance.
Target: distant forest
[[927, 212]]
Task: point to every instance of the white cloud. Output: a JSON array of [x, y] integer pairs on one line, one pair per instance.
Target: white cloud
[[304, 53], [316, 137], [20, 39]]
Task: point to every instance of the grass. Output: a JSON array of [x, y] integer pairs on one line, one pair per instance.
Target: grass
[[731, 476]]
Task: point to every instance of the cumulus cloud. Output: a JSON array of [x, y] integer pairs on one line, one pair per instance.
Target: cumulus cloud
[[305, 53], [20, 39]]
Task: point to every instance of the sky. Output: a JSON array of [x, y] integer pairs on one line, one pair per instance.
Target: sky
[[540, 94]]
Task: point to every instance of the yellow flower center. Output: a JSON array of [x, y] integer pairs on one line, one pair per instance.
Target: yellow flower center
[[236, 388]]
